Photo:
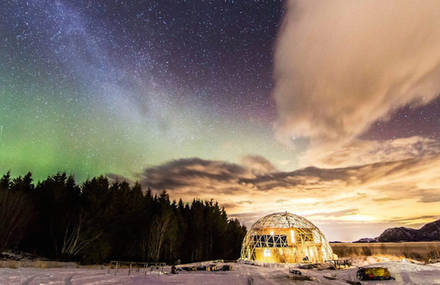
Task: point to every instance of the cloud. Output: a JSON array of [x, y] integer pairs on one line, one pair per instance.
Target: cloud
[[360, 152], [249, 202], [370, 193], [341, 65], [191, 171], [332, 214], [412, 219], [430, 196], [258, 164]]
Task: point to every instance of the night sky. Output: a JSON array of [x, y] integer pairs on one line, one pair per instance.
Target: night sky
[[136, 88], [111, 86]]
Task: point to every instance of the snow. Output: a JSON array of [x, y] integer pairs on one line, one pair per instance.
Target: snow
[[404, 272]]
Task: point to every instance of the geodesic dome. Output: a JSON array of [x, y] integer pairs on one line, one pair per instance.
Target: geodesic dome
[[285, 238]]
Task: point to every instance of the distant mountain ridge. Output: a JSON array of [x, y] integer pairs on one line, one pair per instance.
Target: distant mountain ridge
[[429, 232]]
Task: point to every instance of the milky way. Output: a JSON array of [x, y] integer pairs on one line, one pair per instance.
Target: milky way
[[95, 87]]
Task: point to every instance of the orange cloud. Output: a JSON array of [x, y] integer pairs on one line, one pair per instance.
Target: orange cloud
[[371, 193], [360, 152]]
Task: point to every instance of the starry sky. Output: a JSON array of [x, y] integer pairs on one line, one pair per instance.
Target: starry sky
[[246, 102], [95, 87]]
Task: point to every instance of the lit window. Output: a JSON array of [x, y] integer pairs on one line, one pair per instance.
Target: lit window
[[292, 236], [266, 252], [305, 234], [270, 240]]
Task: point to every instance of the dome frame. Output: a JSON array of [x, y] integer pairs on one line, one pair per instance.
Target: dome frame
[[285, 238]]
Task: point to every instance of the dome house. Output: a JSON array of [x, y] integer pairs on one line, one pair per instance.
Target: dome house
[[285, 238]]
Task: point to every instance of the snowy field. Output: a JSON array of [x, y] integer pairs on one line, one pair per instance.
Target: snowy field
[[404, 272]]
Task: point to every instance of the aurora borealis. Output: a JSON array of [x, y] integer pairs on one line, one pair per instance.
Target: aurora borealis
[[261, 105]]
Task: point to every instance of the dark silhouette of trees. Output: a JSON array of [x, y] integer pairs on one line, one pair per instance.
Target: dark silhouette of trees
[[15, 209], [98, 221]]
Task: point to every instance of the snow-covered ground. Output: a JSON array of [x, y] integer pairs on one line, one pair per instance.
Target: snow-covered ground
[[404, 272]]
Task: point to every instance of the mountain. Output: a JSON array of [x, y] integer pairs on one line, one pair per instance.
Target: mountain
[[366, 240], [428, 232]]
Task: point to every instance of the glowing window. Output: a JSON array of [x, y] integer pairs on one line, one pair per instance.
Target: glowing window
[[305, 234], [266, 252], [292, 236], [270, 240]]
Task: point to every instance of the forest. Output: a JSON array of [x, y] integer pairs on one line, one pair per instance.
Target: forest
[[100, 220]]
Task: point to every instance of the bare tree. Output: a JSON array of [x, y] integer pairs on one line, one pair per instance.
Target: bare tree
[[75, 240], [158, 232]]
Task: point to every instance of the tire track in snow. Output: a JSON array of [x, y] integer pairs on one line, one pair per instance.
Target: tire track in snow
[[68, 280], [29, 280]]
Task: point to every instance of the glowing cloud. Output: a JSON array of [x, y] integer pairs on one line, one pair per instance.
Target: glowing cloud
[[341, 65], [402, 192]]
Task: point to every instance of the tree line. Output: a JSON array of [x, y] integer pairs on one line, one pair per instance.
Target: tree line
[[97, 221]]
